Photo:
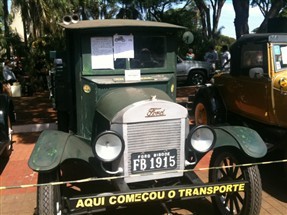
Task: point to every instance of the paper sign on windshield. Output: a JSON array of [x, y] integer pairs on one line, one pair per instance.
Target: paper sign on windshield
[[123, 46], [102, 53]]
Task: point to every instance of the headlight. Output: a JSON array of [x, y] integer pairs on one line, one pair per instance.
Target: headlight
[[108, 146], [201, 138]]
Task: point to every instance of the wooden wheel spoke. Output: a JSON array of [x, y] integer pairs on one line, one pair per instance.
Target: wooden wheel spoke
[[240, 177], [231, 204], [227, 200], [235, 172], [223, 172], [239, 197]]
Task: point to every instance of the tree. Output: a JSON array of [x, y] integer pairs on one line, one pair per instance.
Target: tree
[[210, 26], [269, 9], [154, 9], [241, 8], [6, 27], [129, 10], [187, 16], [283, 12], [104, 9]]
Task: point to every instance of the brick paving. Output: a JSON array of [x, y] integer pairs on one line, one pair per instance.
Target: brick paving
[[16, 172], [35, 110], [22, 201]]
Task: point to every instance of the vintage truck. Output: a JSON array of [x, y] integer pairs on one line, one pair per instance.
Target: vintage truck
[[253, 93], [122, 139], [6, 108]]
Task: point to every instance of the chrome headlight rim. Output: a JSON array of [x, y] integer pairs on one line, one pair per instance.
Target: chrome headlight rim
[[193, 142], [103, 134]]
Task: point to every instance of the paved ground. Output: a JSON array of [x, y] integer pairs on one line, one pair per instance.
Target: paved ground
[[16, 172], [33, 114], [37, 110]]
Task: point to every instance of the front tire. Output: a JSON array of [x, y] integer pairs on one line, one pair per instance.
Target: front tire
[[48, 196], [243, 203], [196, 77], [202, 112]]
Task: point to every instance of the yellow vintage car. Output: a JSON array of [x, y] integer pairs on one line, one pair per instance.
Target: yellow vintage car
[[253, 92]]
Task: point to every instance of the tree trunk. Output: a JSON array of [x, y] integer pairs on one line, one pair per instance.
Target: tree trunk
[[209, 31], [217, 8], [204, 16], [273, 12], [25, 33], [241, 8], [6, 28]]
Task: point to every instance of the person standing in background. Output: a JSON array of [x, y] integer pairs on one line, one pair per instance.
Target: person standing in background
[[190, 55], [8, 74], [211, 56], [225, 57]]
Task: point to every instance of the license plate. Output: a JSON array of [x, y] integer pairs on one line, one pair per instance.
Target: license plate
[[153, 161]]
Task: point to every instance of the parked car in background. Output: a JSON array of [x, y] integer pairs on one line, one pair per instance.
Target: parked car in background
[[193, 72]]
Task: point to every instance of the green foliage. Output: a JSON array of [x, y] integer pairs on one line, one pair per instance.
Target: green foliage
[[283, 12], [40, 49], [1, 11]]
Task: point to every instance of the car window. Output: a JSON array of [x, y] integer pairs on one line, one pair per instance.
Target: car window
[[127, 51], [252, 59], [280, 57], [149, 52], [252, 56]]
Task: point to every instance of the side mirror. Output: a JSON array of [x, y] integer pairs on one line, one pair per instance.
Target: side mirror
[[187, 37], [256, 72]]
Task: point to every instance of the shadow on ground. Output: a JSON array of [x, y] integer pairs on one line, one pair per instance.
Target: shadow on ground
[[3, 163], [27, 138], [274, 179]]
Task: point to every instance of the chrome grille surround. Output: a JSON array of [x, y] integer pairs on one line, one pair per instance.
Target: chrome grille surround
[[153, 136], [145, 134]]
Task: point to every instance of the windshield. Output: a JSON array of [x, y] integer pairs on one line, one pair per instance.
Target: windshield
[[280, 57], [127, 52]]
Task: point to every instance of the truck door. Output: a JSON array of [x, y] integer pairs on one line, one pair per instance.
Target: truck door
[[252, 98]]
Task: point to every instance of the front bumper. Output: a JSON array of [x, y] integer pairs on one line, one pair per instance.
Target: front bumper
[[96, 203]]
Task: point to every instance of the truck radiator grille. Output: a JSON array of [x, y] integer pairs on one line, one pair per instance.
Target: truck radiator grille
[[154, 136]]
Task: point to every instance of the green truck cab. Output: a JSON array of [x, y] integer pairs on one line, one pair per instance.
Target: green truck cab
[[122, 139]]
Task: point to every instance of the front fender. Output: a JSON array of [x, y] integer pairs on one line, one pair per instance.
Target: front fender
[[54, 147], [242, 138]]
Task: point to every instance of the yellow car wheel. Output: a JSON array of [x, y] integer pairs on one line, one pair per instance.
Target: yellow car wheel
[[201, 113]]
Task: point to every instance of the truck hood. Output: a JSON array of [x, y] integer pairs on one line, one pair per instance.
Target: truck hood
[[126, 105]]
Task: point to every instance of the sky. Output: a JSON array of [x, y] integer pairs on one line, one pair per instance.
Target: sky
[[227, 19]]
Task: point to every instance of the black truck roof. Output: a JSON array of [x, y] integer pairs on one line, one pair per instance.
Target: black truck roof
[[263, 37], [118, 23]]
